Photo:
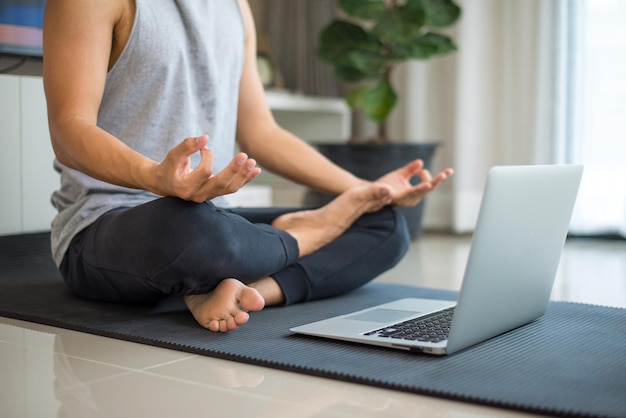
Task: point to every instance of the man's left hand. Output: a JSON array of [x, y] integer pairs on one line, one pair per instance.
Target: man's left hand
[[404, 194]]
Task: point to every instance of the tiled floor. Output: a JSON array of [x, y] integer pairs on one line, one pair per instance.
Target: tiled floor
[[51, 372]]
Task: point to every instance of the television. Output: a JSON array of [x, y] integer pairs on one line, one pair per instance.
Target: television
[[21, 27]]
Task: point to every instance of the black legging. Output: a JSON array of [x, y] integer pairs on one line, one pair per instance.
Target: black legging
[[170, 246]]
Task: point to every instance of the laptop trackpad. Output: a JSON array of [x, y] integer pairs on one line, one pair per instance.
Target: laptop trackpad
[[381, 315]]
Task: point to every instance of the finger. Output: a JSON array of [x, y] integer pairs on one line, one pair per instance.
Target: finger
[[202, 141], [179, 156], [190, 146], [182, 180], [233, 169], [407, 171], [427, 186], [194, 180], [252, 172], [245, 175], [239, 168], [442, 176], [204, 170], [415, 194], [425, 175], [240, 171], [413, 168]]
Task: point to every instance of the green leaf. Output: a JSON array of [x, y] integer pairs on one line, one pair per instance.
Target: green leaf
[[398, 30], [368, 62], [349, 73], [441, 44], [355, 97], [437, 13], [339, 38], [355, 53], [363, 9], [360, 65], [379, 101], [424, 47], [399, 25]]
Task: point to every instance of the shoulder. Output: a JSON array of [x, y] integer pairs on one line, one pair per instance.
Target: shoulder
[[77, 11], [94, 25], [246, 14]]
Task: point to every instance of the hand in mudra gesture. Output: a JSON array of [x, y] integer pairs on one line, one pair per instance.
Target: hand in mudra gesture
[[405, 194]]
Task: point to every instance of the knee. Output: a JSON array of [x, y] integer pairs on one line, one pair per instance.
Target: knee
[[194, 237], [212, 245]]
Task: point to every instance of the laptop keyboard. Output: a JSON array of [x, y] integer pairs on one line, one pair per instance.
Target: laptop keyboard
[[432, 328]]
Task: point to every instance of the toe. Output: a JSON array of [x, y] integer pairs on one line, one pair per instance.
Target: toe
[[241, 318], [214, 325], [224, 325]]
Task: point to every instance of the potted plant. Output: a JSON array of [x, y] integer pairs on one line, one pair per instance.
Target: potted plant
[[365, 49]]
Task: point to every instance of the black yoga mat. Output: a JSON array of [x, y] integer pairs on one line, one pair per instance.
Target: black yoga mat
[[571, 362]]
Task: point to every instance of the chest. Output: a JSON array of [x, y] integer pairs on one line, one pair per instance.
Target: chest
[[162, 32]]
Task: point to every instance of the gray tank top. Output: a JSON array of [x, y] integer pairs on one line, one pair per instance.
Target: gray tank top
[[177, 77]]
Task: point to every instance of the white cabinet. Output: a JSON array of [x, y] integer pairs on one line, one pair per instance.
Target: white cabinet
[[26, 175], [10, 157], [311, 118], [27, 178]]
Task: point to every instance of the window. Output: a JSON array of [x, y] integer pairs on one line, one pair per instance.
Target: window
[[593, 109]]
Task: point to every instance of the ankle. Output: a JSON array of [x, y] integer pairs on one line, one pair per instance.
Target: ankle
[[269, 289]]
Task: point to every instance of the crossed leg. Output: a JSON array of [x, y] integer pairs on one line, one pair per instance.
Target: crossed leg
[[227, 306]]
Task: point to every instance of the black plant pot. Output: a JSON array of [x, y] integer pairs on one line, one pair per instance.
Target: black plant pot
[[371, 161]]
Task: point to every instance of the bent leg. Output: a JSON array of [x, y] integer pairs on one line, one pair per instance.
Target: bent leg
[[372, 245], [170, 246], [314, 229]]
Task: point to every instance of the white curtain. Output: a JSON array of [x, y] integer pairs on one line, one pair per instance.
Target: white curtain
[[533, 82], [489, 103]]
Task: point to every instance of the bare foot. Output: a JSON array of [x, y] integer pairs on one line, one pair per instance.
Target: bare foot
[[315, 228], [225, 308]]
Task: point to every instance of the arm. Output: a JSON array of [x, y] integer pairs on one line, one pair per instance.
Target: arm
[[281, 152], [274, 148], [78, 44], [82, 41]]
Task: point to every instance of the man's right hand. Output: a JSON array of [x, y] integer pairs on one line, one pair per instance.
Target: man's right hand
[[176, 177]]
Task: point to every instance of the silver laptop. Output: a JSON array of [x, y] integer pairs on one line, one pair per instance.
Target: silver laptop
[[514, 256]]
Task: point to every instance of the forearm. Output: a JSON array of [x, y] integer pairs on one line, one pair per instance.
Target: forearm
[[284, 154], [81, 145], [274, 148]]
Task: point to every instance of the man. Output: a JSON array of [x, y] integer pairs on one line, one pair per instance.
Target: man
[[143, 215]]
